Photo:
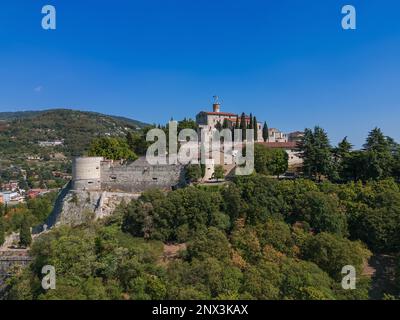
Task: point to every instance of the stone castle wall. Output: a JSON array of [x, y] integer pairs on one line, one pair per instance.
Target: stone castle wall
[[96, 174], [139, 176]]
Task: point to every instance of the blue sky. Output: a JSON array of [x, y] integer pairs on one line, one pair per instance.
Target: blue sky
[[288, 62]]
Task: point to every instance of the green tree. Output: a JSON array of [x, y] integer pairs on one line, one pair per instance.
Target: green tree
[[193, 172], [378, 148], [396, 165], [111, 148], [237, 124], [316, 153], [279, 162], [232, 202], [378, 226], [219, 172], [355, 166], [344, 148], [255, 126], [340, 157], [243, 125], [265, 132], [304, 280], [187, 124], [270, 161], [137, 141], [212, 243], [25, 238], [277, 234], [225, 124], [322, 212], [331, 253], [2, 231]]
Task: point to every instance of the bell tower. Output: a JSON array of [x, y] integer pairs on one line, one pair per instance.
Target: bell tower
[[216, 105]]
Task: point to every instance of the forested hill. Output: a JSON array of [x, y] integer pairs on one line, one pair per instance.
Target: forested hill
[[20, 132]]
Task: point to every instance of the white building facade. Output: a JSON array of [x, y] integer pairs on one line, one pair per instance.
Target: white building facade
[[208, 121]]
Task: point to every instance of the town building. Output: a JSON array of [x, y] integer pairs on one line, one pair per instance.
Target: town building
[[275, 135], [12, 185], [11, 196], [210, 120], [34, 193], [51, 143]]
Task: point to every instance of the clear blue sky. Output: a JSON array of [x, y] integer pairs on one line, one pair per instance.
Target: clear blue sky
[[288, 62]]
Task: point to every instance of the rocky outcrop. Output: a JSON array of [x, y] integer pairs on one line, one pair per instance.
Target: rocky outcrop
[[82, 206]]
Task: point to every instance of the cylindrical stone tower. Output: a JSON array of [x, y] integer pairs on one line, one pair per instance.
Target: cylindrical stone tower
[[86, 173]]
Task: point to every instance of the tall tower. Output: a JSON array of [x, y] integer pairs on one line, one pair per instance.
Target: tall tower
[[216, 105], [86, 173]]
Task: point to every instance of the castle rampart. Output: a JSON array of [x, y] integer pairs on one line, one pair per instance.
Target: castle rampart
[[97, 174]]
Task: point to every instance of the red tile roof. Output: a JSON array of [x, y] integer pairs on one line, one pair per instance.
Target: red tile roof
[[281, 145], [220, 113]]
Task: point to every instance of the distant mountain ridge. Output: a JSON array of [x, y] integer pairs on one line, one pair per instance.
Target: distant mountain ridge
[[13, 115], [21, 132]]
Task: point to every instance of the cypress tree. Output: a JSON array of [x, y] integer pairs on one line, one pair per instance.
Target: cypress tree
[[265, 132], [25, 238], [243, 125], [130, 140], [251, 125], [225, 124], [236, 126], [2, 232], [255, 126]]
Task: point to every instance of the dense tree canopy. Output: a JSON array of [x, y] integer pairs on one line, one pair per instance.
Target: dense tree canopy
[[112, 148], [315, 150], [270, 161], [254, 238]]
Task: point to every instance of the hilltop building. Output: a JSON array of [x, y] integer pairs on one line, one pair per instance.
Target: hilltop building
[[275, 135], [51, 143], [208, 120], [98, 185]]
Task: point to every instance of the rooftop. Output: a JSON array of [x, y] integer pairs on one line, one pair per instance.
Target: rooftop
[[280, 145]]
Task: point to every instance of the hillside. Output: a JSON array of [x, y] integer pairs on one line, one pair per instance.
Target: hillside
[[20, 132]]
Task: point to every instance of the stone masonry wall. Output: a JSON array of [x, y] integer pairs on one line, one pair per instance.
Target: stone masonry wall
[[138, 176]]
